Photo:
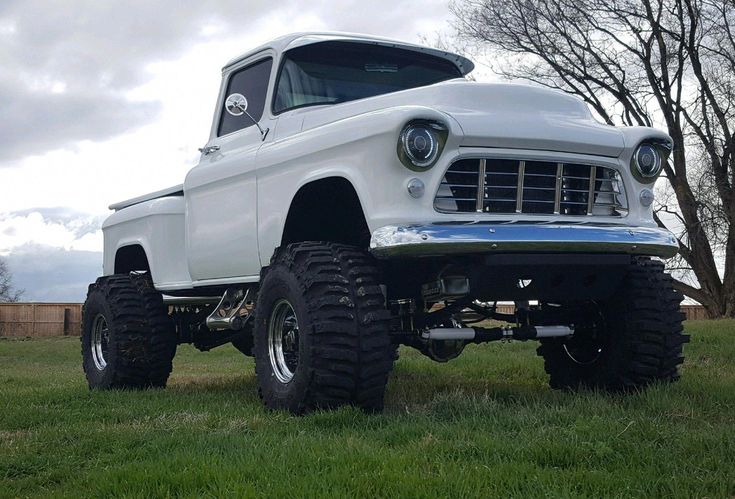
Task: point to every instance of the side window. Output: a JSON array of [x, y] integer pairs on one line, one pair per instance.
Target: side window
[[252, 82]]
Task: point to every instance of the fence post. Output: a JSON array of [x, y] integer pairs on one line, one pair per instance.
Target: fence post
[[67, 321]]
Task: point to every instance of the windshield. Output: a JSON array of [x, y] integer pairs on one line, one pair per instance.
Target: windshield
[[332, 72]]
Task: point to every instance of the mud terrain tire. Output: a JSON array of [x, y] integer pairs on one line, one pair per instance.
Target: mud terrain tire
[[128, 339], [322, 303]]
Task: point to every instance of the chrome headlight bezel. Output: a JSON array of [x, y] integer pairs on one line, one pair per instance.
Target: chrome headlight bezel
[[437, 133], [660, 150]]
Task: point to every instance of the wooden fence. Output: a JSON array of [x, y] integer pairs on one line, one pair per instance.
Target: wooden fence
[[40, 319], [694, 312], [23, 320]]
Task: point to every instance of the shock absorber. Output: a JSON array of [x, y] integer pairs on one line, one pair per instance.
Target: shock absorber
[[484, 335]]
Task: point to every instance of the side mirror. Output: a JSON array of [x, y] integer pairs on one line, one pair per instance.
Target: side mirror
[[237, 105]]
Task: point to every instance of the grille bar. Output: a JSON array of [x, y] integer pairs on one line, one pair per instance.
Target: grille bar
[[534, 187], [557, 198], [591, 192], [481, 188], [519, 194]]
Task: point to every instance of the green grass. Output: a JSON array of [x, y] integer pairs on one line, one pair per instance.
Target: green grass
[[485, 424]]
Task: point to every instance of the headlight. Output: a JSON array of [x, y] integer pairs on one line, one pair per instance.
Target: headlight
[[648, 160], [421, 143]]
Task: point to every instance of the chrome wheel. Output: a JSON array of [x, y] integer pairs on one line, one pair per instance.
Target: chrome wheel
[[100, 340], [283, 341]]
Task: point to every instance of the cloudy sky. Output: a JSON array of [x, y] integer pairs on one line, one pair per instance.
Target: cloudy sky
[[101, 101]]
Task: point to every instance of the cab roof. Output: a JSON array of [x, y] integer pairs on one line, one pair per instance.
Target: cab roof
[[287, 42]]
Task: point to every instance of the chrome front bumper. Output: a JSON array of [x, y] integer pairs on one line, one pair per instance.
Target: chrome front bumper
[[395, 241]]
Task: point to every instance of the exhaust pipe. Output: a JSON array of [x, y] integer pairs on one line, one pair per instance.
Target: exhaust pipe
[[227, 315]]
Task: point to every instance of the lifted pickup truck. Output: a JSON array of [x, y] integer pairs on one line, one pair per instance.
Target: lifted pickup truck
[[357, 194]]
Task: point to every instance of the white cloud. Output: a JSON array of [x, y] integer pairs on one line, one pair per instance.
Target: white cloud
[[50, 227]]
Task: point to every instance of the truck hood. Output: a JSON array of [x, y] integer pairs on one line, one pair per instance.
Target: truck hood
[[497, 115]]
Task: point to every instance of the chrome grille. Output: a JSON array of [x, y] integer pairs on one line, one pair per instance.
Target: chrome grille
[[534, 187]]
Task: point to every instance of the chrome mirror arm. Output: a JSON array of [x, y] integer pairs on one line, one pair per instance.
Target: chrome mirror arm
[[263, 133]]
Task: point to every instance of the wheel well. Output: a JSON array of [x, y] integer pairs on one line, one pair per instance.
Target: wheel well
[[131, 258], [326, 210]]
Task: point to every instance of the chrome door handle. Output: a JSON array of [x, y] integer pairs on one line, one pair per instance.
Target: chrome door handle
[[208, 149]]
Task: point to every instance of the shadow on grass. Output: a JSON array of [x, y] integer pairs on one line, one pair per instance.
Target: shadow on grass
[[414, 390], [241, 385], [419, 388], [452, 396], [405, 387]]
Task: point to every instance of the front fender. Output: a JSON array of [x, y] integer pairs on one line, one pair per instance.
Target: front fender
[[361, 149]]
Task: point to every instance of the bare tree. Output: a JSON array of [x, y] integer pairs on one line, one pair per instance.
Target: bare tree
[[7, 292], [641, 62]]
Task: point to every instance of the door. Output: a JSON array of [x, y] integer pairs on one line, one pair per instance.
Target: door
[[221, 203]]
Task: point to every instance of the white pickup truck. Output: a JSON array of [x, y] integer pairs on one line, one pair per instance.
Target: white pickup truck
[[358, 193]]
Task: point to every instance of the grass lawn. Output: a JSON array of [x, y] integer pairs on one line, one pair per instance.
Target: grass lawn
[[485, 424]]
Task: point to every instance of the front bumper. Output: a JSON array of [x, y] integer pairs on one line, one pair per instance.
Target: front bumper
[[396, 241]]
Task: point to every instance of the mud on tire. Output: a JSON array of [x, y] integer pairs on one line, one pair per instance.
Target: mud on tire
[[128, 339], [637, 340], [344, 356]]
